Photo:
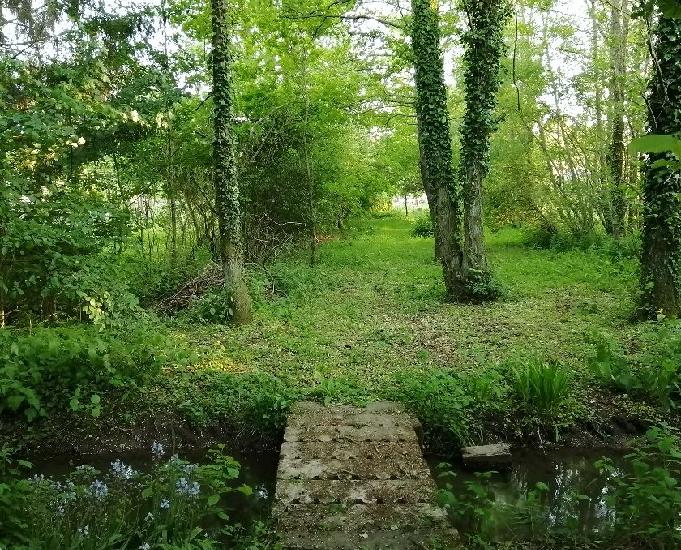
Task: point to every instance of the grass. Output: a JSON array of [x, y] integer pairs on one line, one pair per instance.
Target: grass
[[369, 322], [372, 313], [374, 305]]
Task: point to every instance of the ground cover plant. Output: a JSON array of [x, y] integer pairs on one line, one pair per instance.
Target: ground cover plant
[[210, 211]]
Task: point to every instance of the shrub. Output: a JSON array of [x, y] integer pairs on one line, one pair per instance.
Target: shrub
[[548, 236], [481, 286], [541, 387], [439, 399], [646, 496], [55, 367], [658, 379], [215, 306], [422, 227]]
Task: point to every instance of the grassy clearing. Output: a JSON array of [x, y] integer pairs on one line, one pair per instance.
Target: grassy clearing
[[369, 322]]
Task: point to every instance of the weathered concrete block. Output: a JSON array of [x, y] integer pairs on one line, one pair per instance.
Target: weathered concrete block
[[351, 478], [497, 454]]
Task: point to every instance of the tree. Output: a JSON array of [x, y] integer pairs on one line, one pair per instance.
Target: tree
[[662, 184], [224, 171], [619, 30], [435, 144], [483, 47]]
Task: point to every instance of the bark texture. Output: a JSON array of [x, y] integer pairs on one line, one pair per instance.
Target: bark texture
[[662, 186], [435, 144], [618, 71], [224, 171], [483, 47]]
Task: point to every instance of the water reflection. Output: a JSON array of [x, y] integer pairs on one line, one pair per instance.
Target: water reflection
[[557, 490]]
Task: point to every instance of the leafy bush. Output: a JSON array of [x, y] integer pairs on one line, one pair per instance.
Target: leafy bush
[[642, 503], [422, 227], [254, 402], [658, 381], [215, 306], [49, 237], [548, 236], [438, 398], [481, 286], [470, 507], [176, 505], [56, 367], [541, 387], [646, 497]]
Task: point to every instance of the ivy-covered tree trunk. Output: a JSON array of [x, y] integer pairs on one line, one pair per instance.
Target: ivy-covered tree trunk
[[435, 144], [662, 186], [619, 37], [483, 47], [224, 170]]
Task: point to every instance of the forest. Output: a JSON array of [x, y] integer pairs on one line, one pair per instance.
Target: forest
[[212, 211]]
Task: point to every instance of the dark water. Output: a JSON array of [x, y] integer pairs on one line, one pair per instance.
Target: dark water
[[572, 495], [564, 473]]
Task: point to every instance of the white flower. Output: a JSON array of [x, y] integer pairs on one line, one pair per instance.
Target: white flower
[[165, 504], [81, 141], [149, 516], [134, 116], [85, 531], [145, 546]]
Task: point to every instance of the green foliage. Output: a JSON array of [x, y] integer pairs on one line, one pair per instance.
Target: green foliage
[[254, 404], [647, 499], [439, 399], [50, 369], [656, 379], [641, 494], [470, 507], [176, 505], [422, 226], [51, 247], [216, 306], [660, 272], [482, 286], [541, 387]]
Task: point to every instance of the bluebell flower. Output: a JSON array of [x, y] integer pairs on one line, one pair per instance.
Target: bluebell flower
[[99, 489], [186, 487], [122, 470], [157, 449]]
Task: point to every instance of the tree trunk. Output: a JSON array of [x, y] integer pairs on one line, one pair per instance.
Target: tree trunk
[[619, 37], [406, 207], [662, 185], [483, 47], [224, 170], [311, 222], [435, 144]]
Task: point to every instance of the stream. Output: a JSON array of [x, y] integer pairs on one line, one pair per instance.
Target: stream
[[563, 474]]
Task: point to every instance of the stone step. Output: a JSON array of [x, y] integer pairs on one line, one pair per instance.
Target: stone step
[[343, 450], [403, 433], [360, 518], [383, 540], [386, 469], [352, 478], [400, 491]]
